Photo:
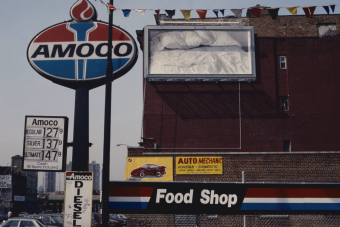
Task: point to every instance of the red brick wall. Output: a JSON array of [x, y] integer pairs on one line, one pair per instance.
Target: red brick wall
[[205, 114]]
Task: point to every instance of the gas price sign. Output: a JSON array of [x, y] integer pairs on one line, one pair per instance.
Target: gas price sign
[[45, 143]]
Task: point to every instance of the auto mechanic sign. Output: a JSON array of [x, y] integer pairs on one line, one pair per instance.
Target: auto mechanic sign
[[74, 53], [45, 143], [199, 165], [78, 199]]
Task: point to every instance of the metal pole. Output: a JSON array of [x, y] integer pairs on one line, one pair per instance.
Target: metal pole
[[244, 216], [80, 154], [107, 127]]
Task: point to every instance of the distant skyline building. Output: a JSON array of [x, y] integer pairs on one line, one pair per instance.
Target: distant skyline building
[[69, 166], [49, 181], [95, 168]]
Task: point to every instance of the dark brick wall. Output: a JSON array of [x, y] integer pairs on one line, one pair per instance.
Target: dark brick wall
[[266, 167], [206, 114]]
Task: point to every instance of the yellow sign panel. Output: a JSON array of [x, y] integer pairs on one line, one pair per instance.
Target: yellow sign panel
[[199, 165], [149, 169]]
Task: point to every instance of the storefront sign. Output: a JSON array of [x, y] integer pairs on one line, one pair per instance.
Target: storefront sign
[[199, 165], [223, 198], [149, 169], [78, 198]]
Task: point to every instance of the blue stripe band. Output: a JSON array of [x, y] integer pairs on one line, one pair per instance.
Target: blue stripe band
[[128, 205]]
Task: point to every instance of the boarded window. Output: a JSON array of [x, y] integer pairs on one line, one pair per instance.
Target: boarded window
[[326, 29]]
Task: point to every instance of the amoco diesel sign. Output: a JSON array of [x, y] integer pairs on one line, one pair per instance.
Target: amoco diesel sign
[[74, 53]]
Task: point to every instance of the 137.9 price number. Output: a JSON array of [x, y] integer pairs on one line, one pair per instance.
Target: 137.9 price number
[[51, 143]]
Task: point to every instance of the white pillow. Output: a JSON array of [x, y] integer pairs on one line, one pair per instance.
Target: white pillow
[[222, 38], [217, 38], [207, 37], [178, 40]]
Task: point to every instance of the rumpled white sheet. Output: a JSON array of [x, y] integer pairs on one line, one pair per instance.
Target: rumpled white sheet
[[201, 60]]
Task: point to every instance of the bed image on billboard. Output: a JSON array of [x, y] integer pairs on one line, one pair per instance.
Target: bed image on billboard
[[204, 52]]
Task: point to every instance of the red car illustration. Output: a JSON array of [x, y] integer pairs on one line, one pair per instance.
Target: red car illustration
[[149, 169]]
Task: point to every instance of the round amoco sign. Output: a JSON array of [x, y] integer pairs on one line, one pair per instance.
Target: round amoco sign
[[74, 53]]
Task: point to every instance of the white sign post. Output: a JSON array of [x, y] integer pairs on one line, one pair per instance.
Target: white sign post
[[78, 199], [45, 143]]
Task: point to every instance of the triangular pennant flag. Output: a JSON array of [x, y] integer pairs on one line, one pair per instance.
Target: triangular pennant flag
[[237, 12], [157, 11], [142, 11], [126, 12], [186, 14], [170, 13], [201, 13], [255, 11], [292, 10], [326, 8], [309, 11], [216, 12], [222, 11], [111, 7], [332, 7], [273, 12]]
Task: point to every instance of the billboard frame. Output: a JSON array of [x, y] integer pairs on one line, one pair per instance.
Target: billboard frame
[[204, 77]]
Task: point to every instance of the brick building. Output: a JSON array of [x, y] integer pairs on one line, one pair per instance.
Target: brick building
[[282, 127]]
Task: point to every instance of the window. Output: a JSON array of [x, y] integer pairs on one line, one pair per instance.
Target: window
[[327, 29], [287, 146], [284, 103], [27, 224], [283, 62], [12, 224]]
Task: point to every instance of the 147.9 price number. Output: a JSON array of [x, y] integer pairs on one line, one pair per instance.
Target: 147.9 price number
[[50, 155]]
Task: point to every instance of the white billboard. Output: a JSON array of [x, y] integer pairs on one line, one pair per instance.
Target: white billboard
[[199, 52], [5, 181], [45, 143], [78, 198]]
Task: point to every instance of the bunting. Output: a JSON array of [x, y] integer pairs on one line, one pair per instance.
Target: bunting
[[170, 13], [111, 7], [157, 12], [186, 14], [327, 8], [255, 11], [237, 12], [142, 11], [292, 10], [274, 12], [309, 11], [201, 13], [126, 12]]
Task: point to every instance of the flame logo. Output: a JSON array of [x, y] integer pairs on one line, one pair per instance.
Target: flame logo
[[82, 10]]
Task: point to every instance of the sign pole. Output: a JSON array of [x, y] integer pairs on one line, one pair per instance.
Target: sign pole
[[80, 154], [107, 126]]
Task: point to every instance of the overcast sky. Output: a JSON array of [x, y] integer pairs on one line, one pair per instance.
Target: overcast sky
[[24, 92]]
